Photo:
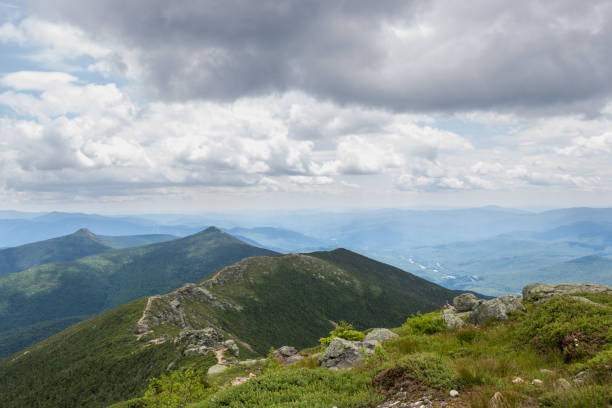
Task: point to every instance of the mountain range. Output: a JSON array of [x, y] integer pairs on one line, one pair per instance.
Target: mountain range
[[257, 302], [49, 295]]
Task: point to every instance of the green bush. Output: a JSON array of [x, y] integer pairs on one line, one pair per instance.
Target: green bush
[[425, 324], [566, 325], [298, 388], [428, 368], [344, 331], [177, 389]]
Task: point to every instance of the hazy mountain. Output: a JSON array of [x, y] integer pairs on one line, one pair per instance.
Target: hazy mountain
[[587, 269], [96, 283], [258, 302], [279, 239], [19, 231], [68, 248]]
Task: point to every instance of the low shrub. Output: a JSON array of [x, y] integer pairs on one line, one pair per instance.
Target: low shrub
[[344, 331], [566, 325], [177, 389], [298, 388], [428, 370], [425, 324]]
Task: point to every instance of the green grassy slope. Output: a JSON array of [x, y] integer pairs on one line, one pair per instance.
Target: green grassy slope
[[87, 365], [317, 289], [70, 247], [93, 284], [263, 301], [428, 360]]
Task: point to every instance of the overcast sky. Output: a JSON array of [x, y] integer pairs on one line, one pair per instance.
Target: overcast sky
[[156, 105]]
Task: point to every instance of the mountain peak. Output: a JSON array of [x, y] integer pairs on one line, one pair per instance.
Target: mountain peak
[[84, 232]]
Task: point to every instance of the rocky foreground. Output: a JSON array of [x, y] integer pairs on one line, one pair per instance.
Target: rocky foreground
[[466, 312]]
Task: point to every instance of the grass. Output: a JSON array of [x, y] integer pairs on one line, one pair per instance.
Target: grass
[[478, 361]]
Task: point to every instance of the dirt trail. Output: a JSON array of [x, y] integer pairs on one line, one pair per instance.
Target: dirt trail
[[219, 354], [141, 325]]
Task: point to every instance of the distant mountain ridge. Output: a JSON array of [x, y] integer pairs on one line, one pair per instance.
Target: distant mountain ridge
[[90, 285], [80, 244], [257, 302]]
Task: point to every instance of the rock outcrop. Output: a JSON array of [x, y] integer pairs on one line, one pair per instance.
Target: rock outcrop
[[287, 355], [380, 334], [199, 341], [541, 292], [497, 309], [343, 353], [465, 302]]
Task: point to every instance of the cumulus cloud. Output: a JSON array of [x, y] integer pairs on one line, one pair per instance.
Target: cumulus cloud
[[403, 55]]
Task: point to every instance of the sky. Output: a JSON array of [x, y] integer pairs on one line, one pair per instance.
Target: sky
[[169, 106]]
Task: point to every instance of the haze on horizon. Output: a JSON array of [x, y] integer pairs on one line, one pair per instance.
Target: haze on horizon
[[155, 106]]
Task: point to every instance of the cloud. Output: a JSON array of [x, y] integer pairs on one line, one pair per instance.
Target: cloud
[[401, 55]]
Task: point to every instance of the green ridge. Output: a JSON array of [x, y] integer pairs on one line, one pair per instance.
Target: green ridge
[[289, 299]]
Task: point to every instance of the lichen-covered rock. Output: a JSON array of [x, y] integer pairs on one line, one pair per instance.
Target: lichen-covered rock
[[380, 334], [497, 309], [232, 347], [465, 302], [199, 341], [217, 369], [451, 320], [541, 292], [287, 355], [286, 351], [345, 354]]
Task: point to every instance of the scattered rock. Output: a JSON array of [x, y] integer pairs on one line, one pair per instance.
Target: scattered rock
[[581, 377], [248, 363], [451, 320], [465, 302], [497, 309], [241, 380], [562, 384], [209, 337], [498, 401], [217, 369], [518, 380], [546, 371], [344, 353], [287, 355], [380, 335], [232, 347], [541, 292], [286, 351], [454, 393], [537, 381], [585, 300]]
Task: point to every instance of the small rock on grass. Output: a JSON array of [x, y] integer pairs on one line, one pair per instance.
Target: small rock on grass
[[562, 384], [537, 381], [454, 393]]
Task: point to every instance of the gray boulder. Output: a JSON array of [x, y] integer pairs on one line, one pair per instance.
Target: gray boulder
[[380, 335], [541, 292], [232, 347], [451, 320], [497, 309], [217, 369], [345, 354], [286, 351], [465, 302], [199, 341]]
